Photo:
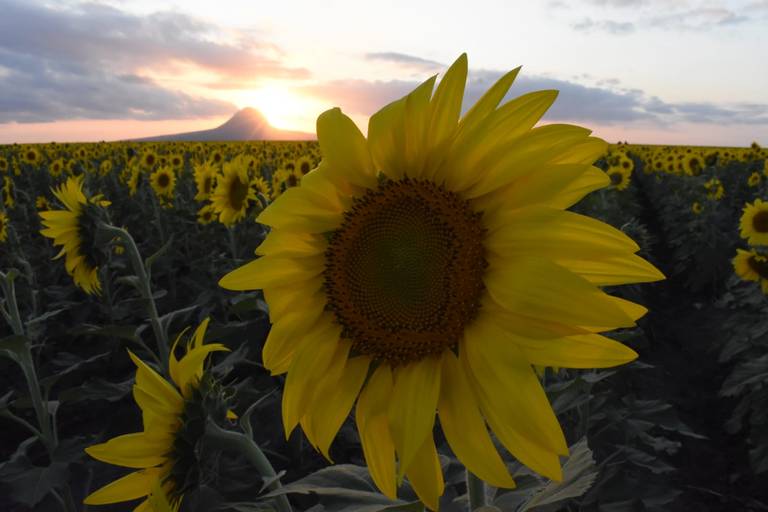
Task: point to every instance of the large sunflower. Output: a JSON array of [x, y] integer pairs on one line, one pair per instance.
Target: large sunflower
[[233, 192], [164, 453], [74, 228], [428, 268], [753, 224]]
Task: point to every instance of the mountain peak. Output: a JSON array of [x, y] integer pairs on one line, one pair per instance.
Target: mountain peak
[[246, 124]]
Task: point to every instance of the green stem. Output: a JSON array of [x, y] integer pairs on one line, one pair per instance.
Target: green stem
[[232, 242], [476, 491], [145, 289], [241, 443]]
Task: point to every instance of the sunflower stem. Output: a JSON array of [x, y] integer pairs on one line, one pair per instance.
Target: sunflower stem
[[476, 491], [232, 242], [241, 443], [145, 288]]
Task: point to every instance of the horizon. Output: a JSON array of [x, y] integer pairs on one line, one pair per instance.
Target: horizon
[[190, 67]]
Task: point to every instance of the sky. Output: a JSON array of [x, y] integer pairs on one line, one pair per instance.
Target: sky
[[646, 71]]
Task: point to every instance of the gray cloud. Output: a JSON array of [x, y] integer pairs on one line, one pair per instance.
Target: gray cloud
[[405, 60], [619, 3], [85, 61], [575, 103], [610, 26], [698, 19]]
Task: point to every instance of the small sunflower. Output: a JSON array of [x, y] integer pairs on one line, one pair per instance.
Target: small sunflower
[[3, 226], [753, 224], [304, 165], [233, 192], [165, 452], [261, 186], [31, 156], [3, 165], [148, 160], [693, 164], [105, 167], [696, 207], [42, 203], [714, 188], [56, 168], [422, 271], [619, 177], [754, 179], [74, 228], [205, 180], [752, 266], [206, 215], [163, 182]]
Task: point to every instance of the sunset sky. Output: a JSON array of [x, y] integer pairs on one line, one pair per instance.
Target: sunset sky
[[654, 71]]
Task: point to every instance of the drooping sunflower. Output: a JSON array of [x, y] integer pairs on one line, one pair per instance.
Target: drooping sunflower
[[205, 180], [753, 224], [715, 189], [233, 192], [752, 266], [174, 416], [163, 182], [3, 226], [754, 179], [424, 270], [74, 228], [619, 177]]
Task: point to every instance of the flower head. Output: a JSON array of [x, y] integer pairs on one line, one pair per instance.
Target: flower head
[[422, 271]]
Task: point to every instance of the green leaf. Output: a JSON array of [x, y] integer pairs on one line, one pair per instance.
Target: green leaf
[[579, 473]]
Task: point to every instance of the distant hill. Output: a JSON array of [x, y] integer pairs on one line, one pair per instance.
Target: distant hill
[[246, 124]]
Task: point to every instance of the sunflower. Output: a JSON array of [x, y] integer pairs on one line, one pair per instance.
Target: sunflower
[[105, 167], [696, 207], [206, 215], [3, 226], [754, 223], [714, 188], [765, 167], [149, 160], [205, 179], [3, 165], [423, 270], [163, 182], [41, 203], [31, 156], [303, 165], [56, 168], [165, 452], [619, 177], [752, 266], [9, 197], [233, 192], [693, 164], [261, 186], [74, 228]]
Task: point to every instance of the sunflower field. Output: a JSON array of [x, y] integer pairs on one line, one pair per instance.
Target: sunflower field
[[404, 322]]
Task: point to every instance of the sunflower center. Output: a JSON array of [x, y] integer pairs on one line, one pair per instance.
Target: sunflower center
[[404, 271], [163, 180], [759, 266], [760, 221], [238, 191]]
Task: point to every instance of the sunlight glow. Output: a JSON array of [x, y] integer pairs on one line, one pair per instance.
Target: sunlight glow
[[282, 107]]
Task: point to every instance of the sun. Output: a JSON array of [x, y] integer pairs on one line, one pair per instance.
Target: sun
[[284, 108]]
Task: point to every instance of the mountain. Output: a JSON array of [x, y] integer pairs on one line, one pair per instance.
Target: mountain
[[246, 124]]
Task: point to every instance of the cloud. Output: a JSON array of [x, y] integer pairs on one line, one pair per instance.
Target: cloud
[[93, 61], [610, 26], [619, 3], [576, 102], [406, 60], [698, 19]]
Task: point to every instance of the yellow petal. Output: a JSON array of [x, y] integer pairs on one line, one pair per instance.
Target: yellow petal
[[154, 384], [325, 418], [190, 367], [465, 428], [412, 407], [373, 428], [286, 243], [133, 485], [286, 334], [272, 271], [551, 233], [525, 449], [607, 271], [579, 351], [386, 139], [296, 208], [541, 289], [426, 475], [417, 117], [506, 379], [131, 451], [344, 149], [310, 362]]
